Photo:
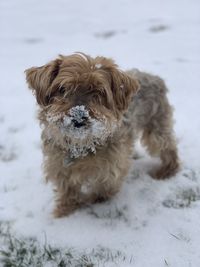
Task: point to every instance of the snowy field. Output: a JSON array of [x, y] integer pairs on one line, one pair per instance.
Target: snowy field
[[149, 223]]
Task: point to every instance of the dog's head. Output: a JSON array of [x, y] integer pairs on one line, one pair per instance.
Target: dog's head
[[83, 97]]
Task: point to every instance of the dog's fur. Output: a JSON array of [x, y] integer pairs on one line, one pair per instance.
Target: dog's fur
[[91, 113]]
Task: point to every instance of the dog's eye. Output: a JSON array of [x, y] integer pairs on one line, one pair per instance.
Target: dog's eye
[[62, 90]]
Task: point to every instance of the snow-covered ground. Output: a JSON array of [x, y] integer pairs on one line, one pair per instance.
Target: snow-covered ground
[[152, 223]]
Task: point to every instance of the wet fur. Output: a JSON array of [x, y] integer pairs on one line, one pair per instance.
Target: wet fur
[[135, 102]]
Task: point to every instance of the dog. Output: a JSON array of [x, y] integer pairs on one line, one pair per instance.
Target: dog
[[91, 114]]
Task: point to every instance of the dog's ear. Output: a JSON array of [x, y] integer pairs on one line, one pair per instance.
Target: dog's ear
[[39, 79], [123, 88]]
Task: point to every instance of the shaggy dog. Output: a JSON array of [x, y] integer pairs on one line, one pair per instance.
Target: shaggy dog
[[91, 113]]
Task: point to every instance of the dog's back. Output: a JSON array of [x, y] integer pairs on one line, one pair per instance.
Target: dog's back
[[151, 114]]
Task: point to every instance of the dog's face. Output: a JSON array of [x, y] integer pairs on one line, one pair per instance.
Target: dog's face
[[82, 98]]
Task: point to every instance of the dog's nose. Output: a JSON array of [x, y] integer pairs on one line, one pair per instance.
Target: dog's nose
[[79, 123], [79, 116]]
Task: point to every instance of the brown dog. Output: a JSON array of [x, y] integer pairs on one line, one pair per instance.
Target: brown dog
[[92, 113]]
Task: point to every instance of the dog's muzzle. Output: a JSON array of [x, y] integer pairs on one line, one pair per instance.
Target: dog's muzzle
[[79, 116]]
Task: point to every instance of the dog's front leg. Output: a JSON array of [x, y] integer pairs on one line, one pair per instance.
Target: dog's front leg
[[67, 201]]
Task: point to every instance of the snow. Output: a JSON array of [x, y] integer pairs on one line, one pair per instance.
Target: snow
[[78, 112], [156, 223], [98, 66]]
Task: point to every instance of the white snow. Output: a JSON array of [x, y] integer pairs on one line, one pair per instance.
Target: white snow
[[79, 112], [155, 223], [98, 66]]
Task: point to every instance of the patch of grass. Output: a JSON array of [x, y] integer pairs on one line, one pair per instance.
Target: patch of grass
[[183, 199], [27, 252], [190, 174], [166, 263], [113, 214], [181, 237], [185, 196]]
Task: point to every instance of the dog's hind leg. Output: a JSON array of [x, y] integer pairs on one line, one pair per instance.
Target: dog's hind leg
[[159, 139]]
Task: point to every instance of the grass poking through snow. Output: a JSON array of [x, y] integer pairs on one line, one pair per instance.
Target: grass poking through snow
[[27, 252]]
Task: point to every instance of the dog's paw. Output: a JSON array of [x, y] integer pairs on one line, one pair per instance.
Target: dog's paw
[[62, 211], [159, 174], [101, 199], [164, 173]]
